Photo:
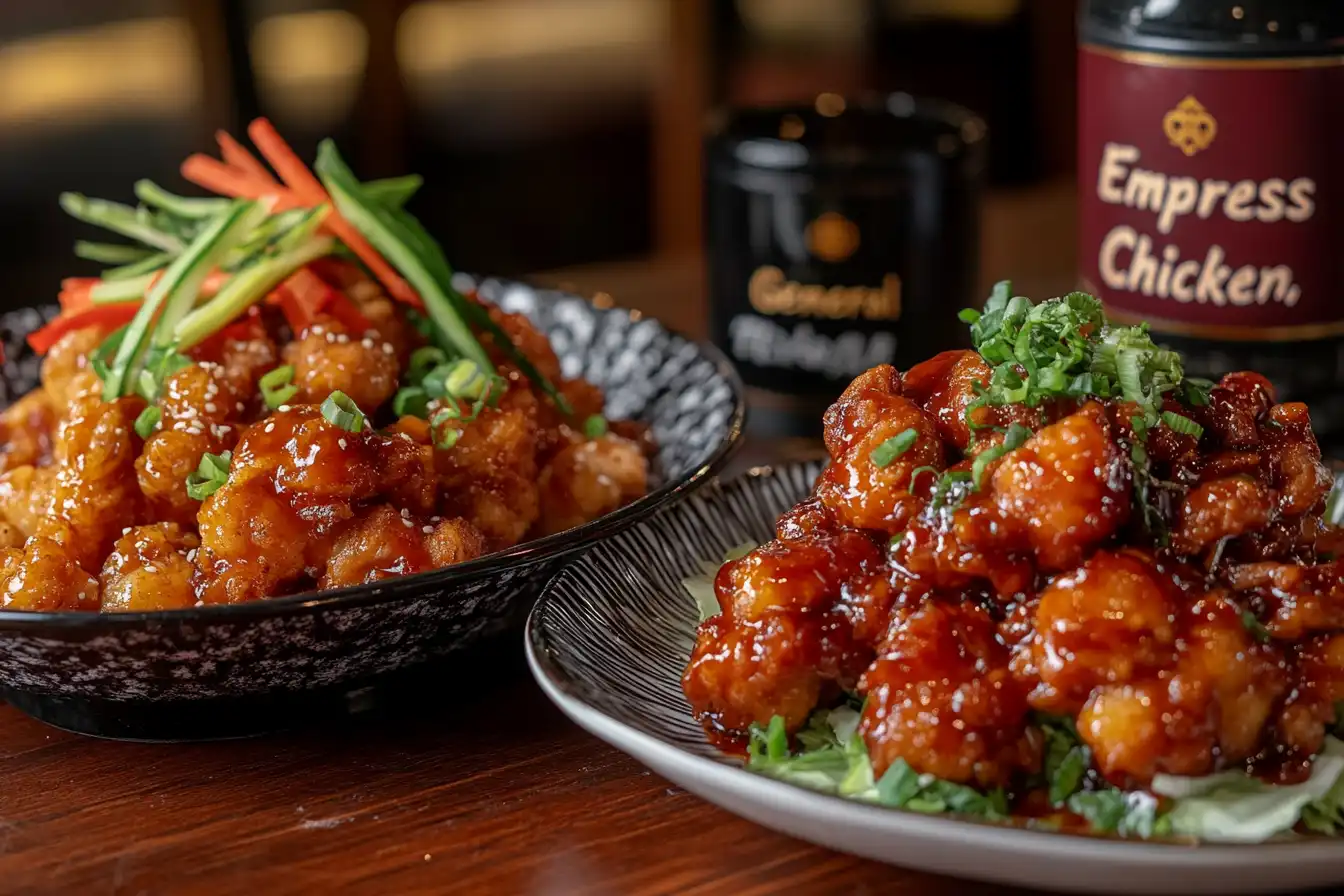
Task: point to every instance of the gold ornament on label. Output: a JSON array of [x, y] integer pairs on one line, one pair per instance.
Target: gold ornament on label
[[1189, 126], [832, 237]]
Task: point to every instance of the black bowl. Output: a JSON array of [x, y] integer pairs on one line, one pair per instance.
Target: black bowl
[[229, 671]]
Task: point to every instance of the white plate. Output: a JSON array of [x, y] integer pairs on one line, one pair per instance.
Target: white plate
[[608, 642]]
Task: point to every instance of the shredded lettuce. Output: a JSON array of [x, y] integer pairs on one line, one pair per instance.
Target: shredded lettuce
[[1234, 808], [701, 587], [1229, 807]]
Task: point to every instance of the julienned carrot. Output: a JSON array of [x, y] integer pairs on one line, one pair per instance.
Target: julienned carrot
[[77, 293], [214, 175], [306, 187], [237, 156], [106, 316]]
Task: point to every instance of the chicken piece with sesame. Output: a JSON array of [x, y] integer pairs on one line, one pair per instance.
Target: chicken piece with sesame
[[327, 358], [386, 543], [295, 484], [150, 569], [589, 479]]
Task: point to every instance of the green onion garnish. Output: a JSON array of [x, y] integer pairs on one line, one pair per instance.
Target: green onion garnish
[[277, 386], [148, 419], [595, 427], [1183, 425], [1255, 626], [465, 379], [341, 411], [209, 476], [894, 447], [1012, 439], [914, 474], [423, 360], [447, 439], [410, 401]]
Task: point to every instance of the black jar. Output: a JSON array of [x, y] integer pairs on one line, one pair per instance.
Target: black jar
[[840, 235], [1210, 189]]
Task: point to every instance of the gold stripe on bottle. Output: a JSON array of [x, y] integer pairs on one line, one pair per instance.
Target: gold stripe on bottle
[[1174, 60]]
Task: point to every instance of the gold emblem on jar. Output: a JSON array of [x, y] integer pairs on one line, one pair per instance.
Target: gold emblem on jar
[[1189, 126], [832, 237]]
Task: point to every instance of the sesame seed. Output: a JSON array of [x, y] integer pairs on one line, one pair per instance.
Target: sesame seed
[[388, 349], [342, 338], [366, 342], [209, 407], [317, 330], [270, 427], [341, 442], [331, 337], [200, 603], [241, 407], [405, 512], [15, 584], [283, 407], [126, 531], [191, 556], [408, 524], [151, 568], [428, 530]]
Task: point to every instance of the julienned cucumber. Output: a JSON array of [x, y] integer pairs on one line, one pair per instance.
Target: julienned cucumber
[[173, 295]]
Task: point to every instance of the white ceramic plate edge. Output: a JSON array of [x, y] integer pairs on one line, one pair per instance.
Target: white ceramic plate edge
[[949, 846]]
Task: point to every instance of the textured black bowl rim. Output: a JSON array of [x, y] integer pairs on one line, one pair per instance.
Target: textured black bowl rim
[[548, 547]]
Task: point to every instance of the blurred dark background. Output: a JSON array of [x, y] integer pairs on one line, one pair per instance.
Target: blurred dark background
[[551, 133]]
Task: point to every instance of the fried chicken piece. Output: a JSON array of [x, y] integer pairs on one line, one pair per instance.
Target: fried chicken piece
[[775, 665], [386, 543], [243, 362], [149, 569], [194, 403], [95, 494], [1207, 710], [588, 479], [25, 496], [864, 487], [44, 576], [1066, 489], [1110, 621], [10, 536], [1220, 509], [489, 477], [66, 359], [940, 696], [526, 338], [800, 575], [27, 431], [294, 484], [945, 386], [328, 359]]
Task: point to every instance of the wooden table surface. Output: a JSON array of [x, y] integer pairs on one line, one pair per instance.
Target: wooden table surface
[[461, 779]]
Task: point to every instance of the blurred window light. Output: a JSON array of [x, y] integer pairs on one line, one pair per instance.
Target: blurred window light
[[834, 22], [442, 36], [309, 64], [141, 68]]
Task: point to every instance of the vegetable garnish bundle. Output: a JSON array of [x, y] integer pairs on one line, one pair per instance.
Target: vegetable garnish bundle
[[197, 266]]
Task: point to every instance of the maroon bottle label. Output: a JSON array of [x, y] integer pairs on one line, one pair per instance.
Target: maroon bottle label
[[1211, 192]]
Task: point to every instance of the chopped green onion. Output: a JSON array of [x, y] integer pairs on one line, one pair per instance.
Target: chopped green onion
[[447, 439], [151, 193], [277, 386], [894, 447], [341, 411], [148, 419], [465, 380], [118, 218], [1183, 425], [246, 289], [927, 468], [595, 427], [209, 476], [1013, 439], [410, 401], [1255, 627], [111, 253], [423, 360], [159, 365]]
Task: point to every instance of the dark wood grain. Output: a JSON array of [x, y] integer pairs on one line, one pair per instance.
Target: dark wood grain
[[443, 785]]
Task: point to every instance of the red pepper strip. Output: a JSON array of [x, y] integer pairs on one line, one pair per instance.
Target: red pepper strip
[[106, 316], [304, 295]]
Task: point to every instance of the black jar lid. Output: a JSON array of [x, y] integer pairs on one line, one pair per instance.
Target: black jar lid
[[836, 134], [1231, 28]]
